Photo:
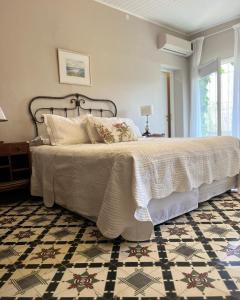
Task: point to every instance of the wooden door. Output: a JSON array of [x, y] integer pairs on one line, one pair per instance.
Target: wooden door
[[165, 104]]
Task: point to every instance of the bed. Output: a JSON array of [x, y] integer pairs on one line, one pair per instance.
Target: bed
[[127, 188]]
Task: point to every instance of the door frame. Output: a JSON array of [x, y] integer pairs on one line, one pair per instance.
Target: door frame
[[170, 89]]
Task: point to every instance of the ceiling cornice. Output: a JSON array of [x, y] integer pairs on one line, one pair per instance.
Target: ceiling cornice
[[170, 28], [204, 29], [186, 34]]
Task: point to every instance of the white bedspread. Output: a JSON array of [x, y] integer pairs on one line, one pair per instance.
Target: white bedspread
[[126, 176]]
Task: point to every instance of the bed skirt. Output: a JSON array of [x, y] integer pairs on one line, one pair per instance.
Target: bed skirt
[[162, 210]]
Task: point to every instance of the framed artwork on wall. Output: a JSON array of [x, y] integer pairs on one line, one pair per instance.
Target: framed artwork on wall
[[74, 68]]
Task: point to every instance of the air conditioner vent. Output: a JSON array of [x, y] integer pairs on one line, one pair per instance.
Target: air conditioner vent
[[174, 45]]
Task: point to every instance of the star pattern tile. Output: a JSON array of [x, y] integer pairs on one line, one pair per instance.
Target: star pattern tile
[[139, 281], [55, 254], [187, 251], [198, 280]]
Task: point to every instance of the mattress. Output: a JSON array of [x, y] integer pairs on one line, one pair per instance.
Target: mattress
[[116, 183]]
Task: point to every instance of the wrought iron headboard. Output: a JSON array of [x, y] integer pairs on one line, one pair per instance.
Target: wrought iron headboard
[[74, 102]]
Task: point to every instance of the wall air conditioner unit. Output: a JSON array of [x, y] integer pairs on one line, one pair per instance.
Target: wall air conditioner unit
[[174, 45]]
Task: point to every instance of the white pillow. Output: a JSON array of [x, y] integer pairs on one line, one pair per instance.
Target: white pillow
[[94, 135], [133, 126], [66, 131]]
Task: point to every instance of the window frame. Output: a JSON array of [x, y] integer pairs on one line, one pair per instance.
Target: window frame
[[223, 62], [212, 69]]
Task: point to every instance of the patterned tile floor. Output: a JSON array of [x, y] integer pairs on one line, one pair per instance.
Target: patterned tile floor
[[53, 254]]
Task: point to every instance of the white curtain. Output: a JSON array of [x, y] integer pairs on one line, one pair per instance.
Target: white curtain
[[208, 68], [236, 88], [195, 119]]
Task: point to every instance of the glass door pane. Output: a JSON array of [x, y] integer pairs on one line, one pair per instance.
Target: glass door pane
[[208, 94], [227, 73]]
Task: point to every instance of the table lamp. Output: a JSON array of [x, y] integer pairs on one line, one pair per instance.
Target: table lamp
[[146, 111]]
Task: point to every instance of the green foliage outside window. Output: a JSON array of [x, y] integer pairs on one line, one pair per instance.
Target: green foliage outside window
[[205, 121]]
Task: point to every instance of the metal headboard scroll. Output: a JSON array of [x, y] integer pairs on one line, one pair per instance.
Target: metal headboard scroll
[[74, 102]]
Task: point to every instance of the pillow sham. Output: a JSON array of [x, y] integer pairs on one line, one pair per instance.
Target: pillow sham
[[66, 131], [133, 126], [93, 132]]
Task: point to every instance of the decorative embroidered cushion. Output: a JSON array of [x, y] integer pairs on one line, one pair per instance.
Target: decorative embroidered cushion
[[92, 131], [115, 133], [96, 134]]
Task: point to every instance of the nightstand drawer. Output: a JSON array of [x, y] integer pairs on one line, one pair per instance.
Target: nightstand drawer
[[18, 148], [15, 166], [5, 149]]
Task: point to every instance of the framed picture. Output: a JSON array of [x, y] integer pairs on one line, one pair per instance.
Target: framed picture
[[74, 68]]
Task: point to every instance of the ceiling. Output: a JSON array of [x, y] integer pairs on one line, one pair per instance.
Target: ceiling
[[185, 16]]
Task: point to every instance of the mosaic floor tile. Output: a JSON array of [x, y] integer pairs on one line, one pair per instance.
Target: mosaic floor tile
[[27, 283], [132, 282], [61, 234], [224, 197], [10, 221], [93, 234], [2, 272], [205, 206], [198, 282], [233, 215], [22, 210], [23, 235], [3, 232], [78, 282], [203, 216], [36, 201], [227, 251], [51, 253], [235, 195], [190, 251], [47, 211], [227, 204], [218, 231], [131, 252], [177, 231], [97, 253], [39, 220], [4, 209], [234, 275], [10, 254], [69, 219], [47, 254]]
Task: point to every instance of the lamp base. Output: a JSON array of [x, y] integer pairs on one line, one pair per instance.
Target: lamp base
[[146, 133]]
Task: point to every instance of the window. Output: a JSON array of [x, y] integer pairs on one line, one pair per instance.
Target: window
[[227, 74], [208, 96], [216, 94]]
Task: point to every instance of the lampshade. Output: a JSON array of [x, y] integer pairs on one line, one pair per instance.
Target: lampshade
[[2, 116], [146, 110]]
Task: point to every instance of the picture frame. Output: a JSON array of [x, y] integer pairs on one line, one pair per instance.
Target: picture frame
[[74, 68]]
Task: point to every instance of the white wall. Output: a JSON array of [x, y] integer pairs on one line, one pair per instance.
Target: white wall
[[125, 62]]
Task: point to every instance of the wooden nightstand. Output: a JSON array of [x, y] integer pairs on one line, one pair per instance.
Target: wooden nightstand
[[15, 166]]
